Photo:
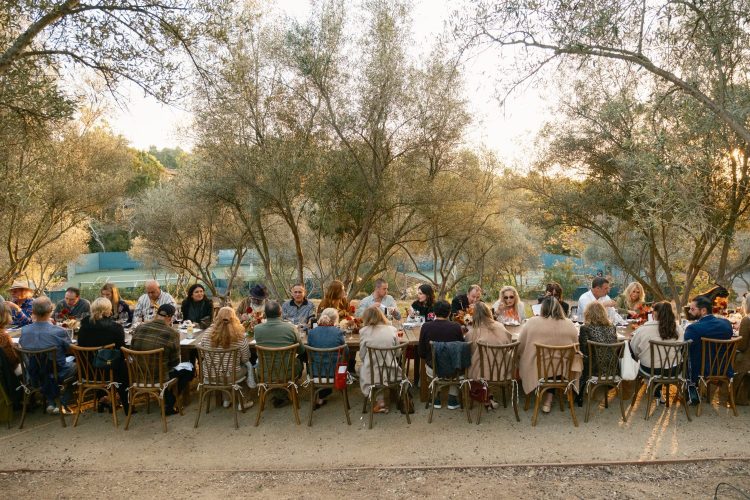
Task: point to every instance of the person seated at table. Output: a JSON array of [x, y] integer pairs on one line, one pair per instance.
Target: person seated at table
[[72, 306], [553, 289], [425, 303], [325, 336], [380, 298], [254, 304], [335, 296], [599, 292], [197, 307], [276, 332], [742, 358], [149, 303], [298, 310], [226, 332], [462, 302], [707, 326], [551, 327], [121, 310], [440, 330], [99, 329], [484, 329], [596, 327], [375, 332], [6, 343], [156, 334], [631, 302], [42, 334], [21, 292], [509, 308]]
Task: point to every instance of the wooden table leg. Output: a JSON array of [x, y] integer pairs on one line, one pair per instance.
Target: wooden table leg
[[424, 394]]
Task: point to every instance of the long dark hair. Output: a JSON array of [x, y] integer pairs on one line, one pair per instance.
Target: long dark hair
[[427, 290], [551, 308], [667, 321], [193, 288]]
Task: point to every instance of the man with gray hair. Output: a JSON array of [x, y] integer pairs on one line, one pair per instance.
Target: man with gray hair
[[42, 334], [381, 299], [149, 302]]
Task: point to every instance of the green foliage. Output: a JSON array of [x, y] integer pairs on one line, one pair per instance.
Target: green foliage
[[114, 239], [147, 172], [562, 273], [172, 158]]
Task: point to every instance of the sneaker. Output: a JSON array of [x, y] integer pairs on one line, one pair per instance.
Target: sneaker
[[53, 410], [436, 403], [493, 404], [694, 399], [226, 403], [453, 403]]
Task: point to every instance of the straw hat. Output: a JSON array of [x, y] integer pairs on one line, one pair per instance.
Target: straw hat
[[25, 284]]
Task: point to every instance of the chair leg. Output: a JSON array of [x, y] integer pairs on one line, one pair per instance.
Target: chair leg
[[572, 405], [113, 399], [405, 406], [479, 409], [313, 397], [730, 395], [62, 415], [432, 402], [201, 395], [295, 405], [505, 401], [234, 409], [261, 402], [539, 397], [527, 400], [649, 395], [622, 404], [162, 406], [685, 398], [79, 403], [369, 399], [346, 399], [588, 394], [346, 406], [699, 410], [131, 400], [514, 401], [465, 394], [23, 410]]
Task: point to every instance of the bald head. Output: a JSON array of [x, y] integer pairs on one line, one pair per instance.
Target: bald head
[[153, 290]]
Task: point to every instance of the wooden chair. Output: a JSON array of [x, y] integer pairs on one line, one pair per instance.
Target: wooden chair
[[604, 371], [219, 369], [93, 379], [497, 365], [387, 371], [554, 365], [459, 379], [147, 377], [39, 375], [671, 360], [276, 371], [717, 356], [321, 363]]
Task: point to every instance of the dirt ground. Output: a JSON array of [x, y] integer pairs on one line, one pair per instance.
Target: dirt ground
[[448, 458]]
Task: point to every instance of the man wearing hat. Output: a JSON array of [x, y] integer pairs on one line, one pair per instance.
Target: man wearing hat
[[150, 301], [158, 334], [253, 304], [22, 292]]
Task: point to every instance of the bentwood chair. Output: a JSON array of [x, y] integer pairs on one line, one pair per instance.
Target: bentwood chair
[[321, 367], [387, 372], [39, 375], [277, 371], [717, 358], [554, 364], [670, 360], [219, 369], [147, 378], [604, 371], [497, 366], [457, 379], [94, 379]]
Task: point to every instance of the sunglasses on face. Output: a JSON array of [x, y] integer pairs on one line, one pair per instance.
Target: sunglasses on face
[[508, 297]]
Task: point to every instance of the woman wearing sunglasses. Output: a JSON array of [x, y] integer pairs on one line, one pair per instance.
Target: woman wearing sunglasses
[[509, 308]]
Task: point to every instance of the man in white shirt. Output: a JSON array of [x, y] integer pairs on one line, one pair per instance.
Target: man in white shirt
[[149, 302], [599, 292], [379, 298]]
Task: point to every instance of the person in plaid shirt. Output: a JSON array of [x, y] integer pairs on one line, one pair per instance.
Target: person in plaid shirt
[[158, 334]]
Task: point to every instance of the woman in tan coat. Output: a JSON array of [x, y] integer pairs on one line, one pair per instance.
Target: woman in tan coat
[[486, 330], [375, 332], [551, 327]]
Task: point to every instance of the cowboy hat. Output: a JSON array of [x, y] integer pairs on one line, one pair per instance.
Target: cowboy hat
[[258, 292], [26, 284]]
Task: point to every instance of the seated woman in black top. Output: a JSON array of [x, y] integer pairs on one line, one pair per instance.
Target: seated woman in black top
[[555, 290], [198, 308], [100, 329], [425, 302]]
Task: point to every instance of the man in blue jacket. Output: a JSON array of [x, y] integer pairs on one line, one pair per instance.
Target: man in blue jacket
[[708, 326]]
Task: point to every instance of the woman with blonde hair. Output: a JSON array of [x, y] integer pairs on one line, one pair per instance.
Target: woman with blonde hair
[[121, 311], [375, 332], [631, 301], [484, 329], [598, 328], [325, 336], [509, 308], [335, 297], [226, 332]]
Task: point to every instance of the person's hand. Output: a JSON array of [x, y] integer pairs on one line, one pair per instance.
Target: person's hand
[[609, 303], [13, 305], [633, 313]]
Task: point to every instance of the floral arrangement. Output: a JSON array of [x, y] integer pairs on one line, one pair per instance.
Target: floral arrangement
[[464, 317], [643, 311], [252, 319], [350, 323], [720, 305]]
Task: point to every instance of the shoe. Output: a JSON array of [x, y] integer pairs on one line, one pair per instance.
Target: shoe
[[380, 408], [171, 411], [453, 403], [66, 410], [694, 398], [226, 403], [248, 404], [319, 404], [579, 400], [436, 403], [279, 403], [53, 410], [104, 407], [546, 407], [492, 404]]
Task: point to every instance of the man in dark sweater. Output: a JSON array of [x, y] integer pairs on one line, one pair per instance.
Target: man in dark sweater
[[440, 330], [462, 302]]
